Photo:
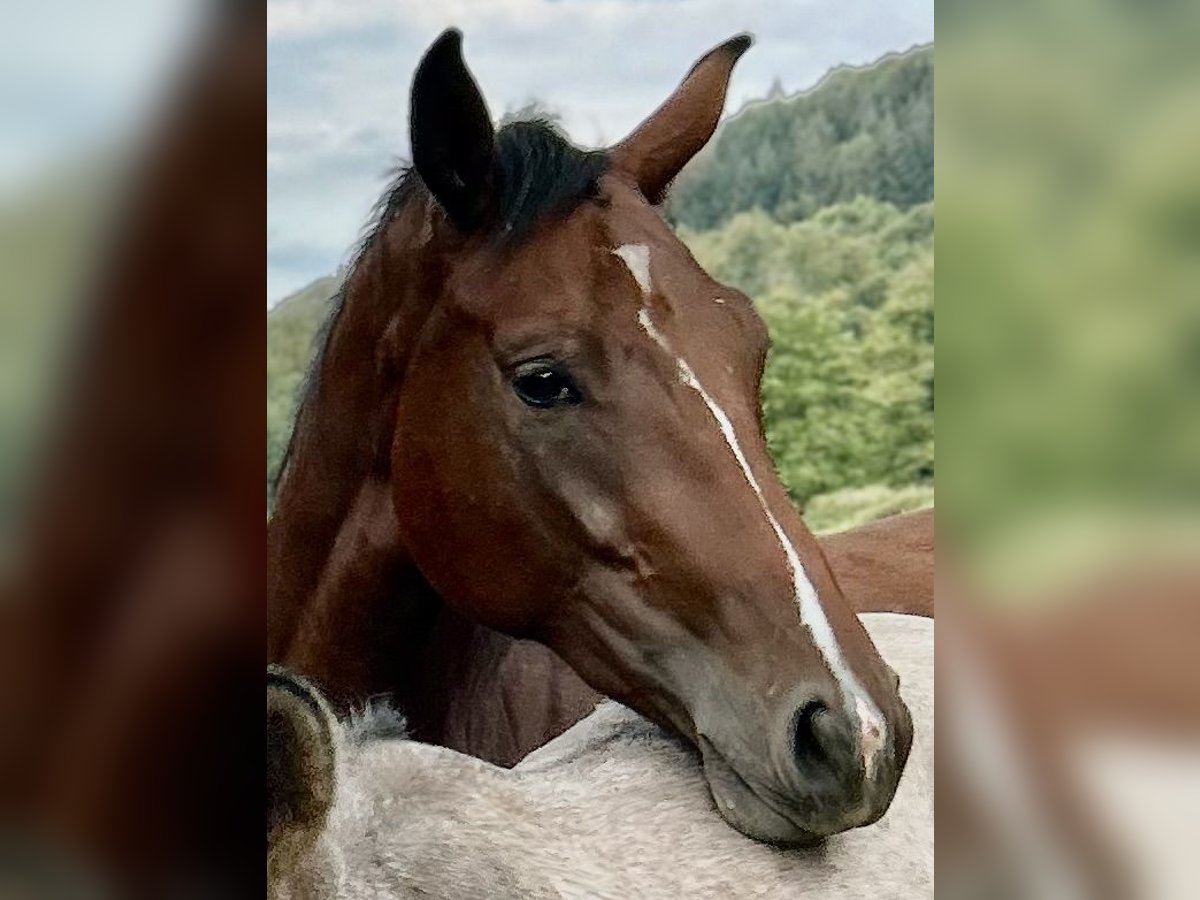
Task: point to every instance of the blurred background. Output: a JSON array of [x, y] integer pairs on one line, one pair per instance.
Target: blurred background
[[79, 86], [131, 345], [1068, 354]]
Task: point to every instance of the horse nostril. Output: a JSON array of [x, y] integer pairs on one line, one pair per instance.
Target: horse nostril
[[810, 735]]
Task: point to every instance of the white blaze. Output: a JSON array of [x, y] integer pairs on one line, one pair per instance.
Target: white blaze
[[637, 259], [812, 615]]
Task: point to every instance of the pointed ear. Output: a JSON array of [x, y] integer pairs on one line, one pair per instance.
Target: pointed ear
[[301, 769], [453, 142], [658, 148]]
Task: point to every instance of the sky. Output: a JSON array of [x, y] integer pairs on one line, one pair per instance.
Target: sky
[[76, 76], [339, 75]]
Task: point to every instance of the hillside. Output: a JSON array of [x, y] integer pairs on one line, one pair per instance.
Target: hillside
[[847, 296], [291, 328], [861, 131]]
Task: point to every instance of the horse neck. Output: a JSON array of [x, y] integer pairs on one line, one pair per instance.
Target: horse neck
[[334, 492], [346, 605]]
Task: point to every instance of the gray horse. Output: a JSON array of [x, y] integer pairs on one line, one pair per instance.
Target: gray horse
[[615, 807]]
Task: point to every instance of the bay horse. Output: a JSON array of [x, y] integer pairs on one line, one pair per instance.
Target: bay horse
[[535, 413], [615, 807]]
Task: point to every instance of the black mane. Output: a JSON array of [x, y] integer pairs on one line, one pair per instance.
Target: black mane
[[540, 175]]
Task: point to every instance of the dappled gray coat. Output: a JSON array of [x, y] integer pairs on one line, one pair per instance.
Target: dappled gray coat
[[615, 807]]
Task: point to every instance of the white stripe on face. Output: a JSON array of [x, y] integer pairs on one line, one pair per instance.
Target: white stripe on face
[[637, 259], [812, 615]]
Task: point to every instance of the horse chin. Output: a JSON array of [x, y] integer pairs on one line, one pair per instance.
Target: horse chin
[[745, 810]]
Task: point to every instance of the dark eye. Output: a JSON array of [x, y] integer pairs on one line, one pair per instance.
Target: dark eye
[[545, 384]]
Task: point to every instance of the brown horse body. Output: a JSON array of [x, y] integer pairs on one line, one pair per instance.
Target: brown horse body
[[535, 417]]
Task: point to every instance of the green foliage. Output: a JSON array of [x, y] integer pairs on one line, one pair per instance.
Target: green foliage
[[862, 132], [1067, 157], [848, 299], [851, 507], [291, 330]]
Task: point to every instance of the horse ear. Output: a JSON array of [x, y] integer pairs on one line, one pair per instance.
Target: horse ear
[[453, 142], [301, 769], [658, 148]]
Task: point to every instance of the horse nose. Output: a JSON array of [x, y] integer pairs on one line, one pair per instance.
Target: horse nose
[[843, 765]]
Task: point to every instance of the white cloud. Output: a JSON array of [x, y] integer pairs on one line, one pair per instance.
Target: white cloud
[[297, 18]]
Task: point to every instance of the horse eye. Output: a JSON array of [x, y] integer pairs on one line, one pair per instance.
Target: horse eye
[[544, 385]]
